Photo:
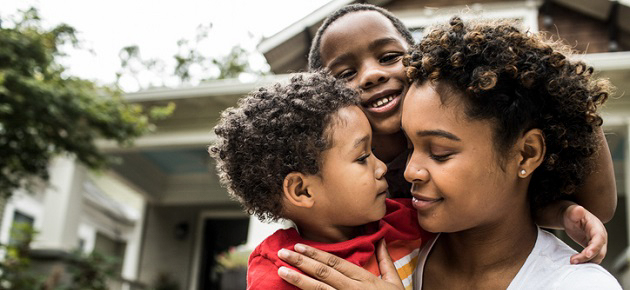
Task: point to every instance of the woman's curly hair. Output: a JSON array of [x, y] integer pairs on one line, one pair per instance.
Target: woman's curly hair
[[274, 131], [520, 81]]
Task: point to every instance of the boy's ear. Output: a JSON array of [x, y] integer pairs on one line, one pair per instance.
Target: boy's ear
[[296, 190], [531, 152]]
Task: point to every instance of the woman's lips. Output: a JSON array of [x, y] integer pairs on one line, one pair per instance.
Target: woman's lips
[[423, 203]]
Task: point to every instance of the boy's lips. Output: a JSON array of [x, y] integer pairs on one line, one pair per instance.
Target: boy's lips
[[383, 101], [383, 190]]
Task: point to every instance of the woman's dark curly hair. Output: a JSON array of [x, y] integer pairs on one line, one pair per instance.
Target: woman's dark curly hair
[[314, 55], [274, 131], [520, 81]]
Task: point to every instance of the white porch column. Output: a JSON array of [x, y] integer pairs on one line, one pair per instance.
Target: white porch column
[[258, 231], [134, 247], [62, 206], [626, 180]]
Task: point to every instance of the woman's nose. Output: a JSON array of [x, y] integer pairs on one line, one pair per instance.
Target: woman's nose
[[415, 172]]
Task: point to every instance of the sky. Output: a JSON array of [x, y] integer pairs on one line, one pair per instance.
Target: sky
[[156, 25]]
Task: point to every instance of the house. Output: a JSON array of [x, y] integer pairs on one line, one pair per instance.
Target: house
[[162, 210]]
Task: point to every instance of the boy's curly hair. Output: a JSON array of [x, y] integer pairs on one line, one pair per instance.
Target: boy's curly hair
[[519, 80], [314, 55], [274, 131]]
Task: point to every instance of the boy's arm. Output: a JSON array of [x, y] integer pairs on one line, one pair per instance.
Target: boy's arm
[[581, 226], [598, 194]]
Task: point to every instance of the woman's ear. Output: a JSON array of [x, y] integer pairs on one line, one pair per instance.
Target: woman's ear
[[531, 152], [296, 190]]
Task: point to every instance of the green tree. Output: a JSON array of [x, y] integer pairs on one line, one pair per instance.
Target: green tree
[[189, 55], [45, 112]]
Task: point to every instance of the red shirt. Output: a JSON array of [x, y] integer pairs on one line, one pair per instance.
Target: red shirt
[[399, 227]]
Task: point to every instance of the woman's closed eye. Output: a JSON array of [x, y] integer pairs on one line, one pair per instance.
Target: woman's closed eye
[[441, 157]]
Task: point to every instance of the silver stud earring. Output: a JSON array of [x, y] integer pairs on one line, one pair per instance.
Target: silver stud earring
[[523, 172]]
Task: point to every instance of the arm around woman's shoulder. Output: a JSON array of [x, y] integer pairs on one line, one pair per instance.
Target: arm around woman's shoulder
[[598, 194]]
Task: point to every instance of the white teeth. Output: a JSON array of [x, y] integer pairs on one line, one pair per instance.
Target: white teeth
[[382, 101]]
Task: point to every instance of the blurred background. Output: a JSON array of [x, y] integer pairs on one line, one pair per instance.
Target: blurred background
[[107, 109]]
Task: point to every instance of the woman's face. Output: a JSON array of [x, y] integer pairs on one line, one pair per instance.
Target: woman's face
[[458, 180], [365, 49]]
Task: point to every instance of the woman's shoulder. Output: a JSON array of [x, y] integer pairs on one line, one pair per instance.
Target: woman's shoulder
[[588, 276], [548, 266]]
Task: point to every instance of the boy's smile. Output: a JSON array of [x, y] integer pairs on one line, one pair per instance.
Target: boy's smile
[[365, 49]]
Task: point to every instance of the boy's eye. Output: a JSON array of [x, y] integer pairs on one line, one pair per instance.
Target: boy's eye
[[346, 74], [390, 57], [363, 158]]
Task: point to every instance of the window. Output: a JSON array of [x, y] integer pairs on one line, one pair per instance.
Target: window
[[21, 227]]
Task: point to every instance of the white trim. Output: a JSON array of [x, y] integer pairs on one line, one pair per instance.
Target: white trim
[[607, 61], [627, 172], [296, 28], [425, 17], [133, 250], [175, 139], [210, 88], [614, 120], [222, 214], [87, 232]]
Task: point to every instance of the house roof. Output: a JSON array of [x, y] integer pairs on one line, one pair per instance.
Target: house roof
[[287, 50]]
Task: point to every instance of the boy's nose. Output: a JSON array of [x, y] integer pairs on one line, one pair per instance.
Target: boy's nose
[[381, 169], [372, 76]]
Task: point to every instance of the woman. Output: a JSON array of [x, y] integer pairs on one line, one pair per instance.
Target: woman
[[501, 124]]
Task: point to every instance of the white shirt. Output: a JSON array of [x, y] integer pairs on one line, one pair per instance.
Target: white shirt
[[546, 267]]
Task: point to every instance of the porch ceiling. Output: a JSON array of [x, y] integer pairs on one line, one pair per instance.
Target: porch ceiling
[[171, 166]]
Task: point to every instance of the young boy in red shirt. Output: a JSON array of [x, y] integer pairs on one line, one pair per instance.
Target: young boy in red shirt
[[302, 151]]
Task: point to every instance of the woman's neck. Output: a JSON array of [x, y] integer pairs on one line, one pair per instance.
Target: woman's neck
[[485, 257], [388, 147]]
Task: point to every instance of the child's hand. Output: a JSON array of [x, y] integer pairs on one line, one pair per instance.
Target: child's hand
[[336, 273], [587, 230]]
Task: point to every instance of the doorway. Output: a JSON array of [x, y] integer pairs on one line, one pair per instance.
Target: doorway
[[219, 236]]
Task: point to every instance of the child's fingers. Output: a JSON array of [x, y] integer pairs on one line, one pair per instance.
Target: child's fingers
[[595, 252], [386, 266]]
